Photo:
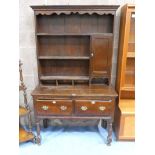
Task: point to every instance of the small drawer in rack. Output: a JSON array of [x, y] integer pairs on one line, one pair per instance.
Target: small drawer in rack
[[53, 107]]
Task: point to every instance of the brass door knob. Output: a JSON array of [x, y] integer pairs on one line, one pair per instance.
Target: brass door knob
[[44, 107]]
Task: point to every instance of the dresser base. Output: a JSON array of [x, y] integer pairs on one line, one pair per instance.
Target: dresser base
[[74, 103]]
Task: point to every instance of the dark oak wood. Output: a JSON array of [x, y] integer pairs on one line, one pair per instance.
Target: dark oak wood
[[73, 34], [54, 107], [93, 107], [64, 57], [74, 55], [45, 123], [80, 91], [64, 77], [101, 49], [109, 126], [125, 83]]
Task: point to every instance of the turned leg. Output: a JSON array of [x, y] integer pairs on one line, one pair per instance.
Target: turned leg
[[45, 123], [109, 137], [38, 138], [104, 123]]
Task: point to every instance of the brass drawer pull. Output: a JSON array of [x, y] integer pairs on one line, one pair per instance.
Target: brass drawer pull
[[92, 102], [73, 94], [63, 108], [54, 102], [44, 107], [102, 108], [84, 108]]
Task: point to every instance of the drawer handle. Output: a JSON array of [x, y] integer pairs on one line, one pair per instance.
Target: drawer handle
[[63, 108], [54, 102], [92, 102], [44, 107], [73, 94], [84, 108], [102, 108]]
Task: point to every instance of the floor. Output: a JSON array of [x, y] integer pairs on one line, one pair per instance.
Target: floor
[[76, 141]]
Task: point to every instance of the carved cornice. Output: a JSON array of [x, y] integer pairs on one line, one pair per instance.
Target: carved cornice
[[98, 9], [73, 12]]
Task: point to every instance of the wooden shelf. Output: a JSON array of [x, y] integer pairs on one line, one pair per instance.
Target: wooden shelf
[[65, 57], [129, 71], [128, 88], [64, 77], [73, 34], [127, 106], [25, 135], [23, 111], [131, 54], [125, 84]]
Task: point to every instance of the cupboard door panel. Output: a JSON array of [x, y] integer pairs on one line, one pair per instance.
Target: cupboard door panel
[[101, 54]]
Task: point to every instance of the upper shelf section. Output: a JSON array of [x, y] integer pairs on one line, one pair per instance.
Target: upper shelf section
[[74, 24], [73, 9], [74, 19]]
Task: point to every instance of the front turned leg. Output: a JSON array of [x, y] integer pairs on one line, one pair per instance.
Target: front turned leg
[[104, 124], [109, 137], [38, 138], [45, 123]]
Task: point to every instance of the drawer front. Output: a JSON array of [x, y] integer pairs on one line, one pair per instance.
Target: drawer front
[[53, 107], [92, 107]]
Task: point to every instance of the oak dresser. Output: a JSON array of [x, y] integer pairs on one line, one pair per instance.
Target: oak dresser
[[74, 46]]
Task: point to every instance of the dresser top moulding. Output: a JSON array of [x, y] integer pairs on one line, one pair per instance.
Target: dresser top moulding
[[73, 9]]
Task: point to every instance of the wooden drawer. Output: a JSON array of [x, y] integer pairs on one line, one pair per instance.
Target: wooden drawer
[[53, 107], [92, 107]]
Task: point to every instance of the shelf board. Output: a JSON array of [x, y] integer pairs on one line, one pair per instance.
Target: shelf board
[[127, 106], [64, 77], [25, 135], [128, 88], [23, 111], [131, 54], [72, 34], [131, 42], [65, 57], [130, 72]]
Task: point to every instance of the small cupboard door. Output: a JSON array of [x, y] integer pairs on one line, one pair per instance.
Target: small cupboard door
[[101, 56]]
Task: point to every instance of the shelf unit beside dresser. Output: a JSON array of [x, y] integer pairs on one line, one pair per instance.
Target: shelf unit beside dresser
[[125, 84]]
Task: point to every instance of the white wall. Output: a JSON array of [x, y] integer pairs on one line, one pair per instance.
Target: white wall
[[27, 37]]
